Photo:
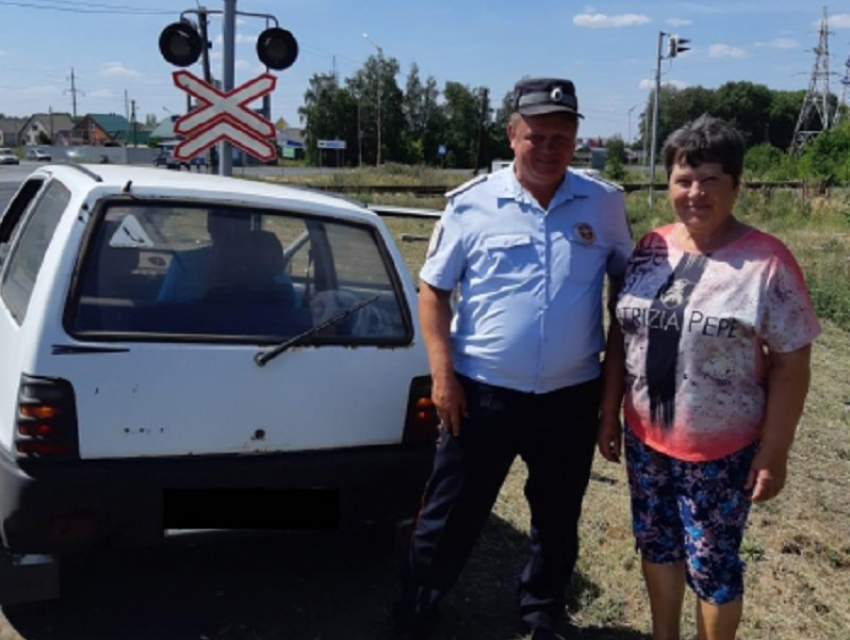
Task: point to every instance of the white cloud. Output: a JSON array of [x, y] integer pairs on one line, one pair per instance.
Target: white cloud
[[784, 43], [100, 93], [602, 21], [725, 51], [242, 64], [2, 53], [678, 22], [113, 69], [648, 85], [839, 21]]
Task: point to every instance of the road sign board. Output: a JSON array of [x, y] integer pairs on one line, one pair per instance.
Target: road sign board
[[441, 150], [331, 144], [281, 124], [224, 115]]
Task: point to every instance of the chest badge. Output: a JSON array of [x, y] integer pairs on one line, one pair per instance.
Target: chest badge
[[584, 233]]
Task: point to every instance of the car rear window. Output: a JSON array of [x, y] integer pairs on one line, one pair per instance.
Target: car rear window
[[185, 272]]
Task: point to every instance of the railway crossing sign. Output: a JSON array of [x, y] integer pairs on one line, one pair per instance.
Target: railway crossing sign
[[224, 115]]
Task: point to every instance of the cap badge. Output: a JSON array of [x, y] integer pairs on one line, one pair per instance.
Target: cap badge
[[557, 94]]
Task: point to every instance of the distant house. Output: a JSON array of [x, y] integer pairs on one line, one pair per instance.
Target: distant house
[[165, 129], [102, 129], [45, 126], [10, 129]]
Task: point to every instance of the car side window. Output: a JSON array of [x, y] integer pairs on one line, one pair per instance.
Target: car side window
[[27, 254], [14, 214]]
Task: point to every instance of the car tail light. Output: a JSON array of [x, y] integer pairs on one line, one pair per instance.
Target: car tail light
[[422, 422], [47, 419]]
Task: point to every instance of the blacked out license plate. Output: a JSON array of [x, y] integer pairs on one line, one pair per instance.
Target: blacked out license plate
[[252, 508]]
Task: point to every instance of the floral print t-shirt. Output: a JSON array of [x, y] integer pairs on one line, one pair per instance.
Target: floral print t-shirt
[[698, 328]]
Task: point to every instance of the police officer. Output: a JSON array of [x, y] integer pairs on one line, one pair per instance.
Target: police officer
[[515, 364]]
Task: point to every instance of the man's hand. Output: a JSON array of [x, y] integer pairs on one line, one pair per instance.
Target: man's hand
[[610, 438], [450, 401]]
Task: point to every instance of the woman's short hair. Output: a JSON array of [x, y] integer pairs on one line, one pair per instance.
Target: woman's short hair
[[706, 139]]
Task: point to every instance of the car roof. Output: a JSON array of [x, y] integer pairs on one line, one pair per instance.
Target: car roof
[[154, 182]]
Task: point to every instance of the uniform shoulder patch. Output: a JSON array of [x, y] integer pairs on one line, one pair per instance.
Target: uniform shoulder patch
[[467, 185]]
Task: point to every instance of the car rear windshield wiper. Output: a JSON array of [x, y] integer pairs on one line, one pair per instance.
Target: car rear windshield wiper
[[263, 356]]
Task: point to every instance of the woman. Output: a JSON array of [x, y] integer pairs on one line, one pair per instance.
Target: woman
[[712, 350]]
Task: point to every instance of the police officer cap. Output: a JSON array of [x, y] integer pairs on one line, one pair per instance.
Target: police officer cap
[[536, 96]]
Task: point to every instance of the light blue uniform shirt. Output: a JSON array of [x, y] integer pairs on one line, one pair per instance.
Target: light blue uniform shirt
[[529, 280]]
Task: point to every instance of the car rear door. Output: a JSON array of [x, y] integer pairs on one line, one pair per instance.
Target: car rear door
[[196, 330]]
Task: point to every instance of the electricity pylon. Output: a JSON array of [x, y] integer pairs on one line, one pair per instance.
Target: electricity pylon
[[817, 96]]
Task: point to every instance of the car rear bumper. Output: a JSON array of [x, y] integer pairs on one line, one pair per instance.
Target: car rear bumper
[[66, 506]]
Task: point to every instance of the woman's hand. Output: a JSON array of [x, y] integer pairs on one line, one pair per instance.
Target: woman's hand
[[787, 384], [767, 475]]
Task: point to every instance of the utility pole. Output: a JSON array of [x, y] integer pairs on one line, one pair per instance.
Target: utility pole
[[653, 143], [133, 122], [816, 100], [74, 92], [225, 149], [203, 23], [267, 99], [675, 46]]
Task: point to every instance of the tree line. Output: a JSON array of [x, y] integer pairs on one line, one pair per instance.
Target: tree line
[[455, 126], [462, 126]]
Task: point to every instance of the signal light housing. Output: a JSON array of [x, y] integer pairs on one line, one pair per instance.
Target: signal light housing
[[676, 46], [277, 48], [180, 44]]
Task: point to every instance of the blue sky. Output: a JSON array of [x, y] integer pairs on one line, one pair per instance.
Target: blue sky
[[608, 49]]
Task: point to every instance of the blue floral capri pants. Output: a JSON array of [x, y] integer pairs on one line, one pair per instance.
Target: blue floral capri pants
[[692, 511]]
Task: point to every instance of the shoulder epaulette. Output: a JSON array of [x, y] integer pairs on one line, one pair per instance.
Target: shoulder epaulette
[[467, 185], [611, 183], [595, 177]]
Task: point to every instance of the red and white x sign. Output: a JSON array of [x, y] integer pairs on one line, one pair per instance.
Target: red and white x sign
[[224, 115]]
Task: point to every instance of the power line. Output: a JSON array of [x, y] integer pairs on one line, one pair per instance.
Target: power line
[[90, 8]]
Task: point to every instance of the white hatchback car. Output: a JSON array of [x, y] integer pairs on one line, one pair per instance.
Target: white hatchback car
[[39, 155], [185, 351], [7, 156]]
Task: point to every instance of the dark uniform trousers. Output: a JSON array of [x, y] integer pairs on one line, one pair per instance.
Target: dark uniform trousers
[[555, 434]]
